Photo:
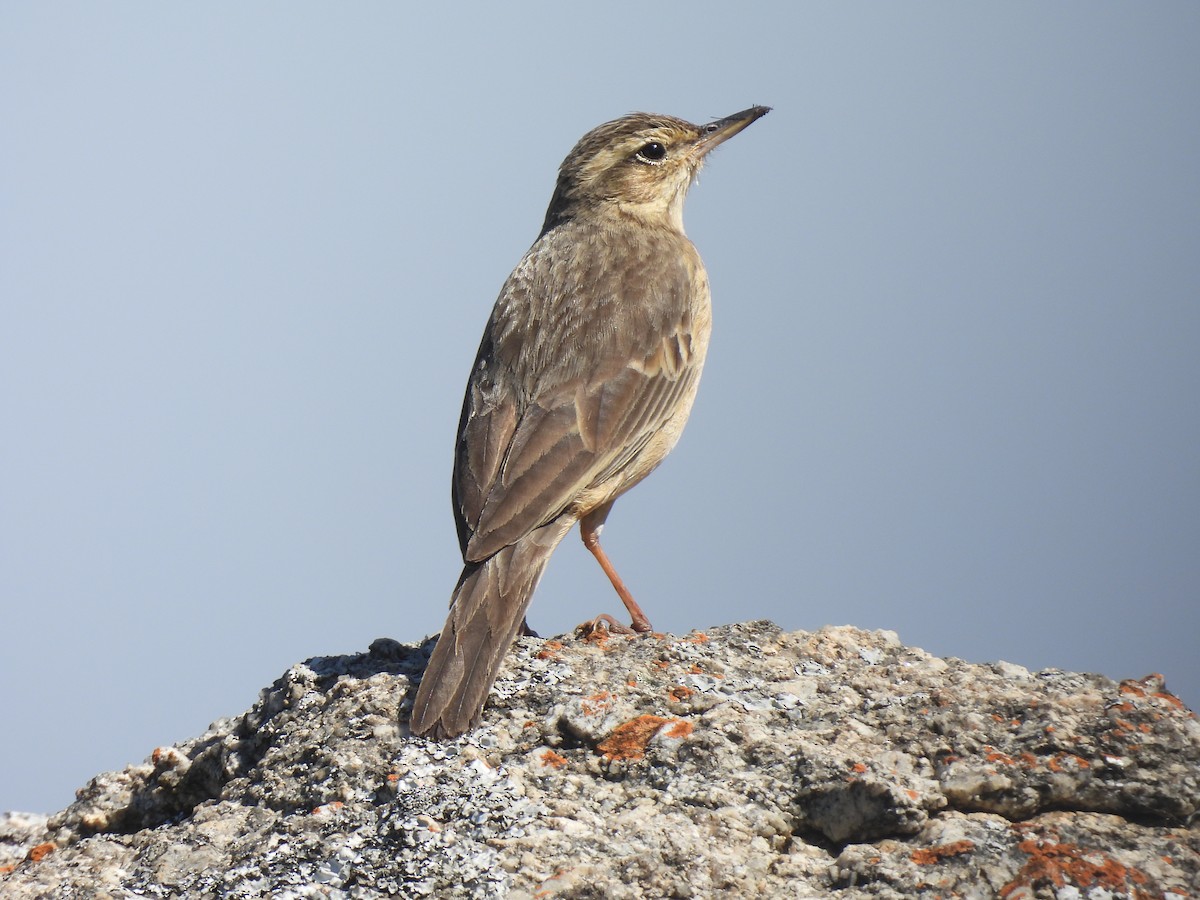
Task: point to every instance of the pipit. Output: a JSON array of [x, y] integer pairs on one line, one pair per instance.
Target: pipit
[[583, 382]]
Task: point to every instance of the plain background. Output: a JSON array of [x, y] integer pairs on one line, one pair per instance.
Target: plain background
[[247, 254]]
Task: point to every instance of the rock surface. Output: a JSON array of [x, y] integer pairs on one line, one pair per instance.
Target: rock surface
[[740, 762]]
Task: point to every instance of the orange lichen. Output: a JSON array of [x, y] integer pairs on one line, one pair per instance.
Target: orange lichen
[[679, 729], [1056, 865], [680, 692], [698, 637], [596, 704], [1055, 762], [931, 855], [552, 759], [993, 755], [40, 852], [549, 650], [629, 740]]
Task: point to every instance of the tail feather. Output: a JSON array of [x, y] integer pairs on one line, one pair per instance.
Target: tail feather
[[486, 612]]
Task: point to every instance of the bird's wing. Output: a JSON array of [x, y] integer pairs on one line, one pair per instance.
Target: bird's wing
[[584, 397]]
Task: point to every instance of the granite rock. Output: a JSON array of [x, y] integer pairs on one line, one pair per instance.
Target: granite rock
[[739, 762]]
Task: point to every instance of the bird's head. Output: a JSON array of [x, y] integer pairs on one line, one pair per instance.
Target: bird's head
[[639, 165]]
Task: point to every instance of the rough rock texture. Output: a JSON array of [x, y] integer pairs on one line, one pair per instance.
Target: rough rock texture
[[741, 762]]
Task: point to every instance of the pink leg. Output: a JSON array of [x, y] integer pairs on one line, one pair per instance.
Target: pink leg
[[589, 529]]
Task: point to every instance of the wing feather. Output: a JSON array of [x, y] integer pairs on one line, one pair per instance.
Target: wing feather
[[565, 394]]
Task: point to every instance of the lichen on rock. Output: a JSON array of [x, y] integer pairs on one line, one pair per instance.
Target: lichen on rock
[[742, 761]]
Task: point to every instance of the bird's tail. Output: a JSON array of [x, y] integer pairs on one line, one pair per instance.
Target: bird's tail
[[485, 614]]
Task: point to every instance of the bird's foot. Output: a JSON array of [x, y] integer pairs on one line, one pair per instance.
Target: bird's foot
[[604, 625], [526, 631]]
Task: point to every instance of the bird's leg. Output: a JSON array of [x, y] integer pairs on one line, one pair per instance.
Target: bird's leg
[[589, 529]]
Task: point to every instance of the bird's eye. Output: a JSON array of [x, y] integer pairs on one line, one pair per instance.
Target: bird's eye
[[652, 152]]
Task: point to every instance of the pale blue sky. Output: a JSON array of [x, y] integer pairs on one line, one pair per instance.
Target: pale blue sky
[[248, 253]]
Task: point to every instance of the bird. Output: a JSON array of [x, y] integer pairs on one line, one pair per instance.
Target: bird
[[582, 384]]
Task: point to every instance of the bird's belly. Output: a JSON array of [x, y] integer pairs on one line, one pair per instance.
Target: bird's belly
[[653, 452]]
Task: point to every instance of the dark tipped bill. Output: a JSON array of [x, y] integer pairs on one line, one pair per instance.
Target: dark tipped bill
[[718, 132]]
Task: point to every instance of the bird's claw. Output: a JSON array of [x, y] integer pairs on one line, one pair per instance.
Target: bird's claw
[[526, 631], [604, 625]]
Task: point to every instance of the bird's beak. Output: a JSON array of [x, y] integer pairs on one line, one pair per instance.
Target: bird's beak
[[718, 132]]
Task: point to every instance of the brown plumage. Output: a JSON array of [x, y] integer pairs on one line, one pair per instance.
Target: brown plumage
[[584, 379]]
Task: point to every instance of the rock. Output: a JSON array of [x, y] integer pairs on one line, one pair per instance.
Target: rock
[[739, 762]]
